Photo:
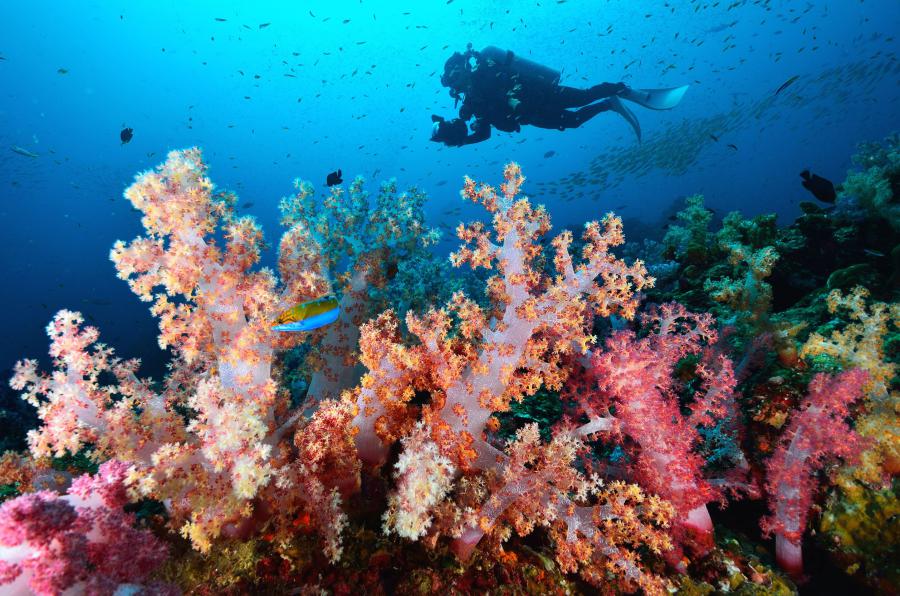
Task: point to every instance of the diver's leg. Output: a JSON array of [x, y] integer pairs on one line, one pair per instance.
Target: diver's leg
[[582, 115], [570, 97], [564, 119]]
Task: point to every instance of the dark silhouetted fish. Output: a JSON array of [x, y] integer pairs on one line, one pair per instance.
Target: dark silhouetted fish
[[126, 135], [787, 84], [549, 154], [334, 178], [820, 188]]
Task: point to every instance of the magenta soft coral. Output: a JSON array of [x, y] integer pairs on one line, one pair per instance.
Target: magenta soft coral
[[84, 540], [817, 433]]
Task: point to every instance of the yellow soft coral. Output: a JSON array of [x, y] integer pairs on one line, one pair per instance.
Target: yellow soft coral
[[861, 345]]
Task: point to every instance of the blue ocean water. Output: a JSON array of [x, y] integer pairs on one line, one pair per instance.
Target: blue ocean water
[[274, 91]]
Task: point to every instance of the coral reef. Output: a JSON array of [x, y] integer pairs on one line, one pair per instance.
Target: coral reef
[[538, 428], [876, 188]]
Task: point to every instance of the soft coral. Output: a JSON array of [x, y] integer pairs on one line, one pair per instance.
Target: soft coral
[[817, 433], [83, 540], [634, 377]]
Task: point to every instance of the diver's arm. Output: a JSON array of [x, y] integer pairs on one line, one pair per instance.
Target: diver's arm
[[465, 110]]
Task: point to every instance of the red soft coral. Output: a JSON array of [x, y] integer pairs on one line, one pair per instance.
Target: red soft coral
[[816, 434], [635, 377]]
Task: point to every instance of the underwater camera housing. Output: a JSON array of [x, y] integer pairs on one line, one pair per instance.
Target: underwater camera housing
[[449, 132]]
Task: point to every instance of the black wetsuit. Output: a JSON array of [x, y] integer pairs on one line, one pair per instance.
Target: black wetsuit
[[496, 96]]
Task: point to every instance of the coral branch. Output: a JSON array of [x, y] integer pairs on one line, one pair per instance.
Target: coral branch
[[817, 434]]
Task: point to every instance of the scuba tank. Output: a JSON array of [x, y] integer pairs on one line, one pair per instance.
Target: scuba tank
[[528, 72]]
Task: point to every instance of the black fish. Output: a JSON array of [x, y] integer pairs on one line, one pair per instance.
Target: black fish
[[126, 135], [820, 188], [334, 178], [733, 146], [549, 154]]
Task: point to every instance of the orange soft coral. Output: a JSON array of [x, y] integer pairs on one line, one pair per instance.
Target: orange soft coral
[[471, 363], [539, 320]]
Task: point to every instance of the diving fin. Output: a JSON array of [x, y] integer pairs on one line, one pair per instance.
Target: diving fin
[[616, 105], [655, 99]]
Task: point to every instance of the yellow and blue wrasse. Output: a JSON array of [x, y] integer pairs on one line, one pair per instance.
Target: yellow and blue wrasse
[[309, 315]]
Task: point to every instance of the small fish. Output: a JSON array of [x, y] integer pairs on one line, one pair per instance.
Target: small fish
[[62, 71], [20, 151], [714, 137], [873, 253], [308, 315], [787, 84], [549, 154], [821, 188], [126, 135], [732, 146], [334, 178], [264, 25], [220, 19]]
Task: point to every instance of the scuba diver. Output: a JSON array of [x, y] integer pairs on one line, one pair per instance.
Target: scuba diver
[[505, 91]]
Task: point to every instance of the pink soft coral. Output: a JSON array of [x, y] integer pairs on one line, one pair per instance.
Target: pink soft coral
[[635, 377], [196, 265], [51, 544], [816, 434]]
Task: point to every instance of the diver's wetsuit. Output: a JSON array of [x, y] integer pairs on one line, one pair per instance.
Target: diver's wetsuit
[[495, 94]]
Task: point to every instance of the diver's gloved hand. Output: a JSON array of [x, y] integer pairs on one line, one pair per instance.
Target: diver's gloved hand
[[449, 132]]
